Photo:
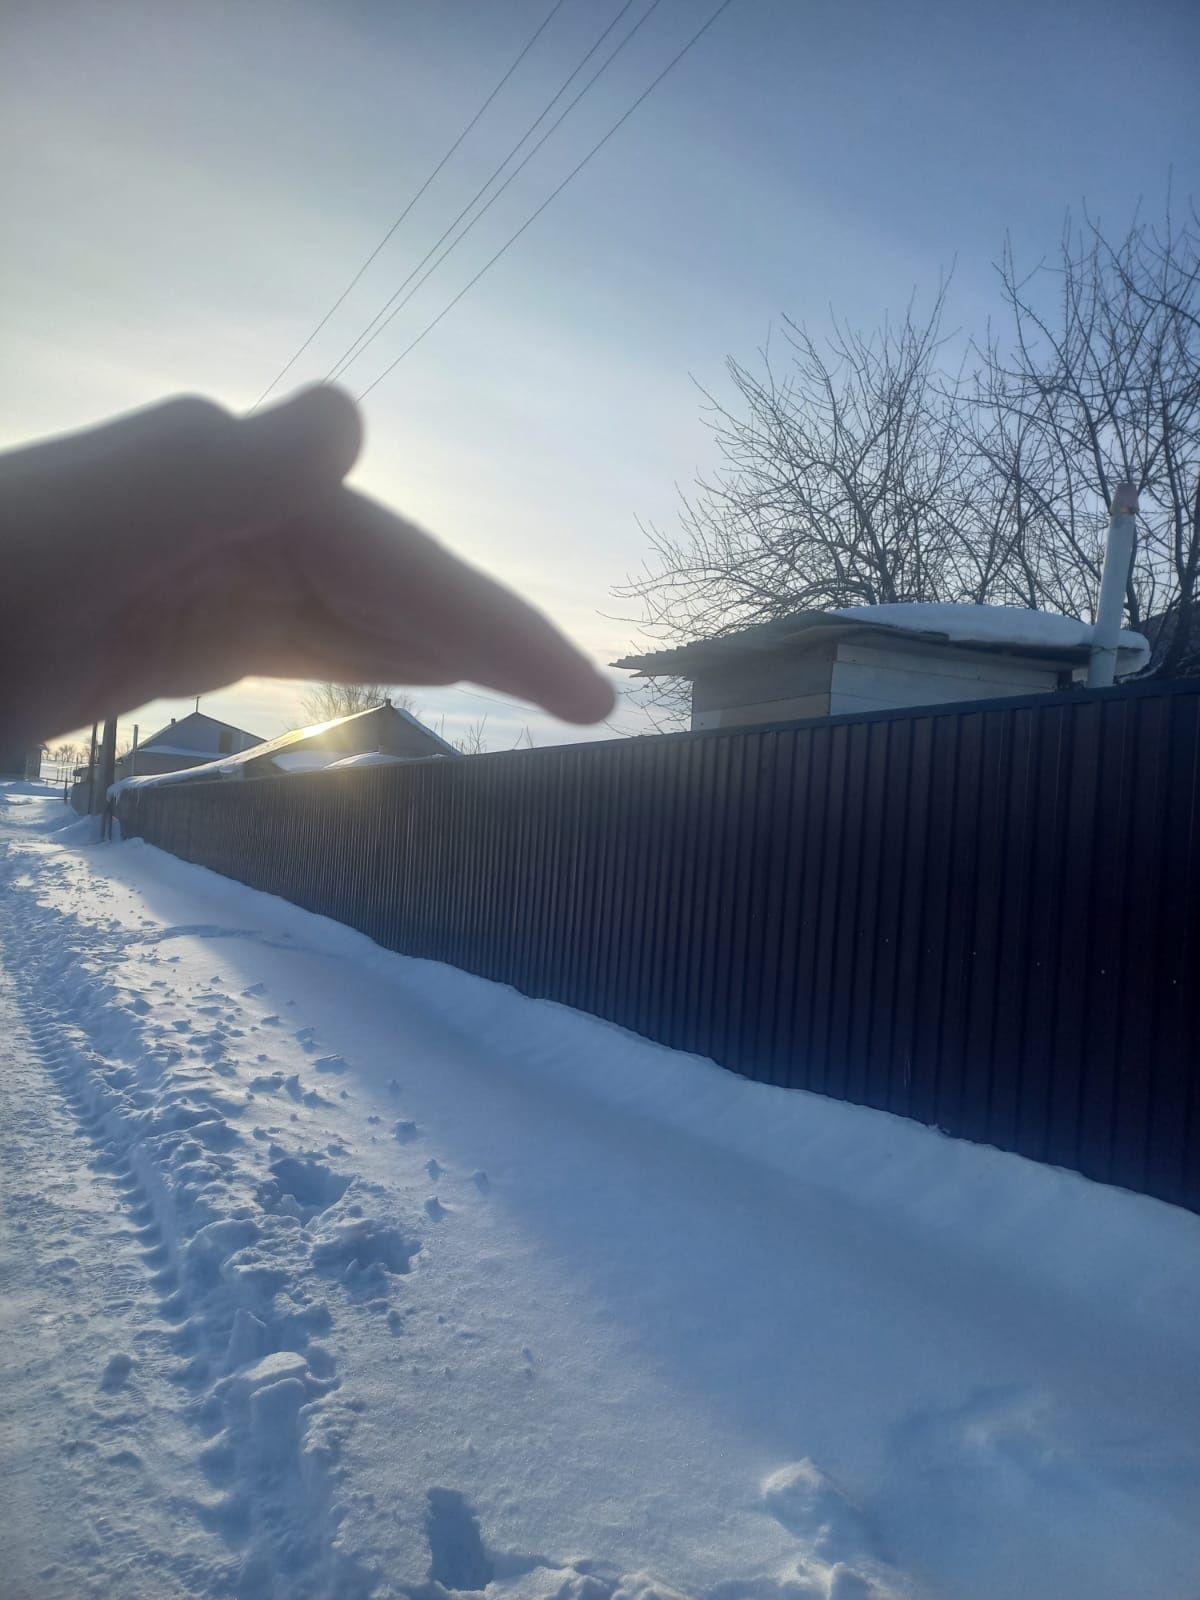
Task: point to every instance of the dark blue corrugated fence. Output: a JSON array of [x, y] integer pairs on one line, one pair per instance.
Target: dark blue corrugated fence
[[985, 917]]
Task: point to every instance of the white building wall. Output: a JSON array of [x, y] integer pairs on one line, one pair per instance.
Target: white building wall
[[882, 677]]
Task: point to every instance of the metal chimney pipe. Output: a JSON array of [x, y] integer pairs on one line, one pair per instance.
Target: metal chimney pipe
[[1118, 557]]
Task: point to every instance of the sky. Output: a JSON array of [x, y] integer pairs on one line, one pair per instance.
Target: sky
[[187, 189]]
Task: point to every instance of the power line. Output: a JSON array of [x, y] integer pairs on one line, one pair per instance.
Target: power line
[[600, 143], [375, 327], [514, 705], [478, 694], [535, 36]]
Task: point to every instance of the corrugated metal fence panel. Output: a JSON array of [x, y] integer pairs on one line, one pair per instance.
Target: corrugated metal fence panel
[[985, 917]]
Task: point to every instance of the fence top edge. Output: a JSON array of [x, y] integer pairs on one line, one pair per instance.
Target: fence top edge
[[1141, 689]]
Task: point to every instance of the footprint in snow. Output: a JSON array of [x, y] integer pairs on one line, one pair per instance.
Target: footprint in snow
[[811, 1506], [434, 1168], [116, 1373], [457, 1558], [405, 1131], [362, 1251], [309, 1184], [833, 1531], [435, 1210]]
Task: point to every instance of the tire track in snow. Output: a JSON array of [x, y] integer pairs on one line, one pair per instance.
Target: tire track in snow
[[86, 1439], [227, 1247]]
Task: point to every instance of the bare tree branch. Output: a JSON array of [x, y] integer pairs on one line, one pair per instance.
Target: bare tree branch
[[861, 472]]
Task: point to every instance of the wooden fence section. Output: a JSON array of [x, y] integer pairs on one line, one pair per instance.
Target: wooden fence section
[[985, 917]]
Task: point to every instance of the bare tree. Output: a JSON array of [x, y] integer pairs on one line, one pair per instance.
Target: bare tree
[[325, 701], [473, 740], [1100, 382], [837, 485], [864, 472]]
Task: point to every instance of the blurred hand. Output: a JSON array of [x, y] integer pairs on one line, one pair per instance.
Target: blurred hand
[[180, 548]]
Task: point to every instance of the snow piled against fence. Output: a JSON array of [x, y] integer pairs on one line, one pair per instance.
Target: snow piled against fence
[[346, 1275]]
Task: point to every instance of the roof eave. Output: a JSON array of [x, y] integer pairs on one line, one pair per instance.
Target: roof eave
[[686, 660]]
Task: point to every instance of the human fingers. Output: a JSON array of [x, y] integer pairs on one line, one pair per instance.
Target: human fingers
[[127, 499], [382, 586]]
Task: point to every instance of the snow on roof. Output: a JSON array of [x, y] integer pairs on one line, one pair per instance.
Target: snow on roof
[[192, 717], [330, 761], [227, 768], [376, 758], [1006, 628], [157, 749], [304, 760], [280, 753]]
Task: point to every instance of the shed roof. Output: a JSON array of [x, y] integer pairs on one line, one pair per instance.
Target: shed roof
[[1040, 634]]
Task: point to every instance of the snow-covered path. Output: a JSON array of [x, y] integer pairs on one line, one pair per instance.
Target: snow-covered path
[[425, 1288], [91, 1424]]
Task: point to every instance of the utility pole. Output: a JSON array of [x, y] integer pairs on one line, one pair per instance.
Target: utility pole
[[92, 771], [108, 769]]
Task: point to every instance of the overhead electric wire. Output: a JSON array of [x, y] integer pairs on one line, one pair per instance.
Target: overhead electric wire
[[554, 193], [533, 39], [386, 312]]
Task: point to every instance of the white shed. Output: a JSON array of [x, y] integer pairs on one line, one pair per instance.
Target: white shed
[[878, 658]]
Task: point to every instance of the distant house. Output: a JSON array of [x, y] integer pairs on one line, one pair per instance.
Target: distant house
[[382, 733], [874, 658], [190, 741]]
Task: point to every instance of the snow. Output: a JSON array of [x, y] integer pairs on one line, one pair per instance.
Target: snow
[[998, 625], [330, 761], [332, 1273], [283, 753], [304, 760], [375, 758], [287, 761], [190, 750], [207, 771]]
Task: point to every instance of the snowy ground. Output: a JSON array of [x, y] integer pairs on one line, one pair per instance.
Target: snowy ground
[[330, 1273]]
